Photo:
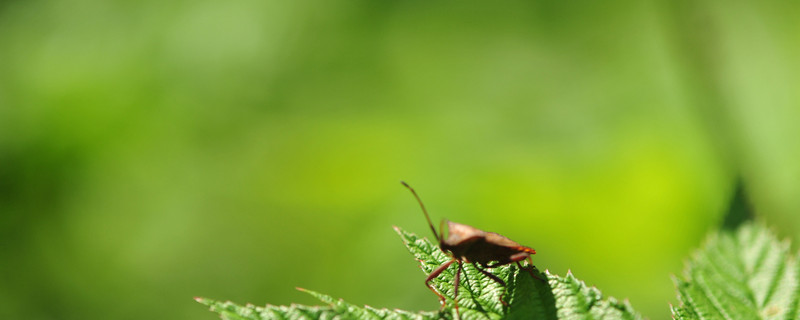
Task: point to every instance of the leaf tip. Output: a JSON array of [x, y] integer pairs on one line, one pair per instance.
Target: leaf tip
[[204, 301], [675, 279]]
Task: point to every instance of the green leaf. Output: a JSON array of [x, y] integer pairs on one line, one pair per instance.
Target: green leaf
[[545, 296], [740, 210], [527, 297], [231, 311], [740, 274], [337, 309]]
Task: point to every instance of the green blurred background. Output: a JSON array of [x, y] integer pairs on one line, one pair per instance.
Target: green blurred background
[[155, 151]]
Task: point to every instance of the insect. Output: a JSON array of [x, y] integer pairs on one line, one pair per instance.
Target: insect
[[471, 245]]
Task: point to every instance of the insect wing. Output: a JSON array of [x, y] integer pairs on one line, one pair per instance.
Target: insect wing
[[458, 233], [500, 240]]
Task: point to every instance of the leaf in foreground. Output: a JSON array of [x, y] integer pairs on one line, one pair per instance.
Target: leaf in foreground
[[527, 297], [740, 274], [554, 297], [336, 309]]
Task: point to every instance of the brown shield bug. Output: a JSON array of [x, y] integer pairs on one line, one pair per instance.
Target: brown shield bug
[[469, 244]]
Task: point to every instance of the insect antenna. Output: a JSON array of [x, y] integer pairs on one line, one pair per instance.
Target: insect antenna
[[423, 210]]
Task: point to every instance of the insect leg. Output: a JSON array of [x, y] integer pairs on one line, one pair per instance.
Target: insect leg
[[520, 256], [530, 263], [496, 264], [435, 274], [455, 286], [496, 279], [530, 271]]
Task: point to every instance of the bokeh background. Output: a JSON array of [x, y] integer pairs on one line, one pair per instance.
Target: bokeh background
[[155, 151]]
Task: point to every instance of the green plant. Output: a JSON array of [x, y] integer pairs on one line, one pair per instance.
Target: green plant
[[741, 272], [557, 298]]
